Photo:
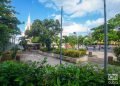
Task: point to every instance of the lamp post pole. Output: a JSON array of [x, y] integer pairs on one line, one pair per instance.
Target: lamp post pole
[[105, 42], [61, 37], [77, 39]]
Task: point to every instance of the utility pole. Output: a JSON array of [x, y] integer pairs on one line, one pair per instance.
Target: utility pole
[[61, 37], [105, 42]]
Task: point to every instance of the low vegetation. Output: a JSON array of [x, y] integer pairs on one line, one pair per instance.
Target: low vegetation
[[68, 52], [117, 52], [9, 55], [38, 74]]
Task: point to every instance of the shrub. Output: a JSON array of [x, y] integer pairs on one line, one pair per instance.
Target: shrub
[[19, 74], [82, 49], [117, 52], [44, 49], [82, 53], [14, 52], [6, 56], [115, 63], [37, 74], [57, 51], [66, 52], [71, 53], [0, 54]]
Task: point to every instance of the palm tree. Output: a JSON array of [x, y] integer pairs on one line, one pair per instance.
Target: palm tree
[[80, 40], [66, 38]]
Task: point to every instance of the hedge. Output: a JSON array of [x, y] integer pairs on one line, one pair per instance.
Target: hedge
[[71, 53]]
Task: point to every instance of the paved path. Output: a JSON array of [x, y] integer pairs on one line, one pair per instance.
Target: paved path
[[99, 57], [101, 54], [34, 56], [37, 57]]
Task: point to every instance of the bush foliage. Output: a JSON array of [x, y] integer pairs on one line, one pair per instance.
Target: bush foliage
[[7, 55], [19, 74], [71, 53], [67, 52], [117, 52], [38, 74]]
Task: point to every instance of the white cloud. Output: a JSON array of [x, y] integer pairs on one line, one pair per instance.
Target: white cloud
[[79, 8], [76, 7], [71, 27], [113, 8], [94, 23], [57, 17], [87, 6], [50, 5]]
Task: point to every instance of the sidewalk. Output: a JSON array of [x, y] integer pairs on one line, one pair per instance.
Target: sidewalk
[[99, 57], [33, 56]]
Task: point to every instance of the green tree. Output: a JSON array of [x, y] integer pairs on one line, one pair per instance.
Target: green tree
[[46, 30], [35, 39], [87, 41], [80, 40], [72, 40], [112, 35], [23, 42], [98, 32], [56, 40], [8, 23], [115, 21], [65, 40], [118, 34]]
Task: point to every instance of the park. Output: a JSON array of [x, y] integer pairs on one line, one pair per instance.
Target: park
[[46, 54]]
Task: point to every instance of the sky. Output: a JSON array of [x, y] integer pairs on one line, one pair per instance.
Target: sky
[[78, 15]]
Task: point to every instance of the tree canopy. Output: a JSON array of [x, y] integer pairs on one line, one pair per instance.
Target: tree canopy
[[44, 31], [113, 35], [8, 23]]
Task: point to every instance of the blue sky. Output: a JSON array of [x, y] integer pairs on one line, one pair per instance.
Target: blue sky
[[79, 15]]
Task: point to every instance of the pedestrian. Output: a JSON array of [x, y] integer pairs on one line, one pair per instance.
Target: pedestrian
[[94, 47], [99, 47], [86, 47]]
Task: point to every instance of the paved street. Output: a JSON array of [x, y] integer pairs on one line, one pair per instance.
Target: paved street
[[91, 48]]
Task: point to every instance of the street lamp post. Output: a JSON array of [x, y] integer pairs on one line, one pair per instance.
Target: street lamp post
[[61, 37], [77, 39], [105, 42]]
